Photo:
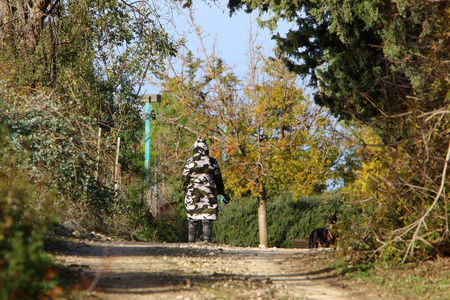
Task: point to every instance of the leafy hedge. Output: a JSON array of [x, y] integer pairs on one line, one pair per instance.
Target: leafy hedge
[[26, 271], [58, 149], [288, 218]]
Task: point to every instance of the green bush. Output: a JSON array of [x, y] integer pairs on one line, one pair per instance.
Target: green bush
[[26, 271], [287, 219], [166, 226], [170, 227], [237, 223], [59, 148]]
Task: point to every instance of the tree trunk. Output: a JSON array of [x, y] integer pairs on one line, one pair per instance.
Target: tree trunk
[[23, 20], [262, 219]]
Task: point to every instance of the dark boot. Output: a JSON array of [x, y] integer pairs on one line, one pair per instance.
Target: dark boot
[[207, 230], [192, 231]]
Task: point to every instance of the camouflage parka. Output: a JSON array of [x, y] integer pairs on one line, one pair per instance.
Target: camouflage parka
[[202, 181]]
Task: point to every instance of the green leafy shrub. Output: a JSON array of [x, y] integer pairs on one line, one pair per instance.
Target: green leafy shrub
[[165, 226], [58, 147], [26, 271], [237, 223], [287, 219]]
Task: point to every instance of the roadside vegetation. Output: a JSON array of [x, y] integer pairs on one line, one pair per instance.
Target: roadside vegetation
[[371, 144], [423, 279]]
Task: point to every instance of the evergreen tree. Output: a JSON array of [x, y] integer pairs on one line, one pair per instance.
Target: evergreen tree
[[381, 64]]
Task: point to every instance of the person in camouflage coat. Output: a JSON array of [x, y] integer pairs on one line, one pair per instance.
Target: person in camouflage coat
[[202, 182]]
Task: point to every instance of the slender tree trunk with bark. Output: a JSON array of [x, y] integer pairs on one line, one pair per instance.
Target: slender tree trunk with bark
[[262, 218]]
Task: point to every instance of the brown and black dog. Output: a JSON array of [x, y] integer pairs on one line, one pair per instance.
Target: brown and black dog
[[324, 237]]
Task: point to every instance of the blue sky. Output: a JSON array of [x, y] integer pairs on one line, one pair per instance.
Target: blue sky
[[230, 34]]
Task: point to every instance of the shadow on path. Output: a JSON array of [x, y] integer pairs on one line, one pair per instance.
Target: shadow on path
[[111, 279]]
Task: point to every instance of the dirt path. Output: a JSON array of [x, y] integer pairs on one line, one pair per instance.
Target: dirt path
[[205, 271]]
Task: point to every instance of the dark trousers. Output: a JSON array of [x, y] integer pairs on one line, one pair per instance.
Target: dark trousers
[[192, 230]]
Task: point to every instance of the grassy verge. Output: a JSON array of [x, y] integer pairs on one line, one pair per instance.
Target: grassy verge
[[428, 279]]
